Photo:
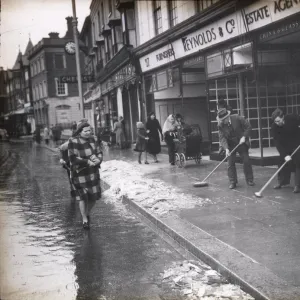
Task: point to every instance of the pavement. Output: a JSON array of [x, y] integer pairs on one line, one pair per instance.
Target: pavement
[[253, 242]]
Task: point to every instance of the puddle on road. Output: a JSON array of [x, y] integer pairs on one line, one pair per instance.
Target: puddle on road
[[32, 266]]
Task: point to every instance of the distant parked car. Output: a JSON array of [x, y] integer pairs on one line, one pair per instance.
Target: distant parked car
[[3, 135]]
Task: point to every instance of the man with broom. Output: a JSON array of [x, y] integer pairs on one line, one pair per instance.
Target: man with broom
[[286, 134], [233, 130]]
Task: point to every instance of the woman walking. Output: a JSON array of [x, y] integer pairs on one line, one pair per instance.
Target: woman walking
[[85, 158], [169, 132], [153, 129], [120, 135]]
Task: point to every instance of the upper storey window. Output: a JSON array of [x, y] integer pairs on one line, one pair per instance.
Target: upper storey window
[[204, 4], [157, 17], [173, 15]]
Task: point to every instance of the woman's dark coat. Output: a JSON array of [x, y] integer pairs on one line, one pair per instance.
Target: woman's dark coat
[[154, 141]]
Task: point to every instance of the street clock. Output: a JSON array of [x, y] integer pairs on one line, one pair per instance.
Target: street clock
[[70, 47]]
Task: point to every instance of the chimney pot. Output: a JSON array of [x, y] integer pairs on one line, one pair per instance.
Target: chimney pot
[[54, 35]]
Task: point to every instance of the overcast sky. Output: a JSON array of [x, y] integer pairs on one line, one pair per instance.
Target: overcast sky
[[19, 18]]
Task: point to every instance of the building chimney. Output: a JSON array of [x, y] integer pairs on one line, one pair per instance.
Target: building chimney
[[54, 35], [69, 33]]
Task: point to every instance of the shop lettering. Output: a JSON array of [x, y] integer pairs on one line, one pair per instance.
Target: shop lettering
[[165, 54], [282, 5], [199, 40], [258, 14], [275, 32]]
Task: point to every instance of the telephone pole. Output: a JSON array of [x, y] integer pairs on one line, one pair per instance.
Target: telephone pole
[[75, 22]]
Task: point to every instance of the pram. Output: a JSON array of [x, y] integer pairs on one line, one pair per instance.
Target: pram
[[188, 145]]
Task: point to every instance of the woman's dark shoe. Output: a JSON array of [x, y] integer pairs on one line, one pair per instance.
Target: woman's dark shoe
[[140, 162], [172, 164], [232, 186], [85, 225], [250, 183], [146, 163], [156, 161], [277, 187]]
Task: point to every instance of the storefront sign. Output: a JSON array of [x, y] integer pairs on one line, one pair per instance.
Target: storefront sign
[[279, 31], [95, 94], [257, 15], [118, 78], [157, 58], [73, 79]]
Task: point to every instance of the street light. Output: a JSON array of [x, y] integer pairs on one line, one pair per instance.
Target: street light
[[74, 22]]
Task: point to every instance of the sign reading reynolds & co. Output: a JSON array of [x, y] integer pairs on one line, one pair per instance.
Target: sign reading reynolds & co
[[254, 16]]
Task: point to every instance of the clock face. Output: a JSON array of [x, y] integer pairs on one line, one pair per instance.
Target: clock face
[[70, 47]]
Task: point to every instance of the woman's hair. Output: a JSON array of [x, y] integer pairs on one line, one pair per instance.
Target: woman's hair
[[277, 113], [151, 114], [80, 127], [222, 103]]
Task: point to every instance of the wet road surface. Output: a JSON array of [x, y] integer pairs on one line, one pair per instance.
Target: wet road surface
[[45, 253]]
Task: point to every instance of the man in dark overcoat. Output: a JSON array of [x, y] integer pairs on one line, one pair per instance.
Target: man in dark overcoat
[[286, 134], [234, 130]]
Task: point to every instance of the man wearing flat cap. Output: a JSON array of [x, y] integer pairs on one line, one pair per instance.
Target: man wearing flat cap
[[234, 130]]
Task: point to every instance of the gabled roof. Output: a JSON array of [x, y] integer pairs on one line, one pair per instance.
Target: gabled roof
[[29, 46], [17, 63]]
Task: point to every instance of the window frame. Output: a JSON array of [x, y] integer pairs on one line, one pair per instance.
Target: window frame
[[172, 11], [57, 82], [45, 88], [157, 11], [63, 59], [41, 90]]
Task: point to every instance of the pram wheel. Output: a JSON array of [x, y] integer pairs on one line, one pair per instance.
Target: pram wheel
[[182, 160], [177, 160]]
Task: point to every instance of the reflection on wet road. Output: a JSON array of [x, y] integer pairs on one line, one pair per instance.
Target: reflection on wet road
[[45, 253]]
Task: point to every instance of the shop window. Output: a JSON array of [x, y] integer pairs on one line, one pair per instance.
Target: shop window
[[173, 14], [230, 60], [214, 64], [59, 61], [193, 77], [61, 88], [157, 17], [161, 80], [273, 57]]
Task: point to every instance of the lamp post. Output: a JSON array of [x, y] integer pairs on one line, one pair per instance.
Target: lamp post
[[74, 22]]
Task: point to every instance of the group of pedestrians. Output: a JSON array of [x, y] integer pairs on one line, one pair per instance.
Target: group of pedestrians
[[150, 136]]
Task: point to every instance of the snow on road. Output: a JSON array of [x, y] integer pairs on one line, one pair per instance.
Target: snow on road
[[127, 180]]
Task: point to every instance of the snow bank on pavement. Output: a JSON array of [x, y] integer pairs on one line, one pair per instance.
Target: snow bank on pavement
[[127, 180], [196, 280]]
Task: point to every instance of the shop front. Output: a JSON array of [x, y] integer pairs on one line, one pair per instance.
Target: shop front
[[250, 58], [120, 98]]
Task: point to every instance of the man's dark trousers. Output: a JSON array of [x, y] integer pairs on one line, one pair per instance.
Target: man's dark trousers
[[243, 151]]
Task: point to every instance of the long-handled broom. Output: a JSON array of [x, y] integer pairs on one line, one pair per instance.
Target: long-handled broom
[[259, 194], [203, 183]]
